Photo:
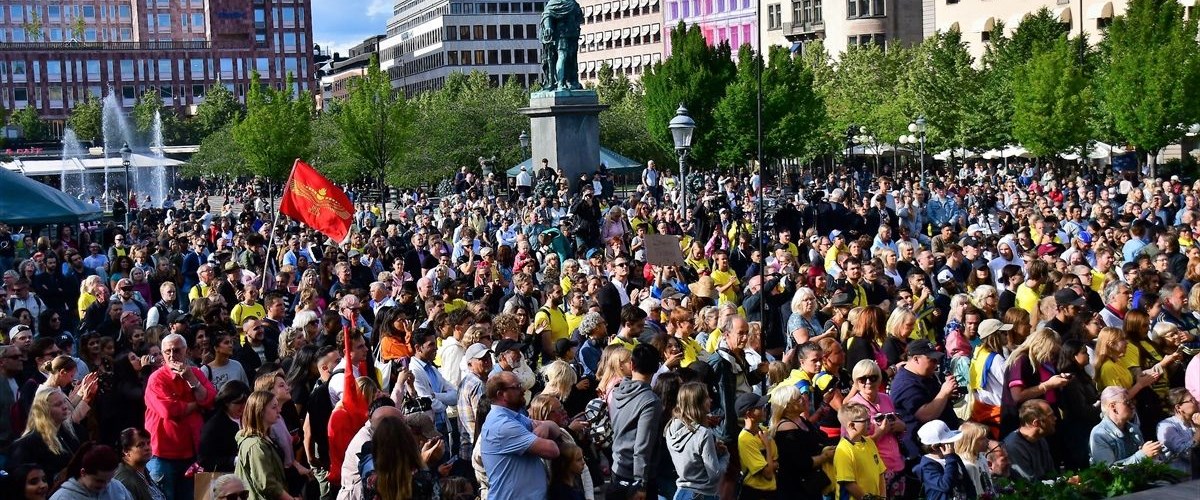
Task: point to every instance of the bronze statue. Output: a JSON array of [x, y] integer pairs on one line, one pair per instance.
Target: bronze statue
[[560, 45]]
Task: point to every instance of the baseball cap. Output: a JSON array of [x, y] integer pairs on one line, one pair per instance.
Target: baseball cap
[[937, 432], [1067, 296], [124, 283], [18, 329], [422, 425], [841, 299], [970, 241], [835, 233], [505, 345], [923, 347], [477, 351], [945, 276], [563, 345], [1047, 249], [671, 293], [593, 252], [989, 326], [1085, 237], [179, 317], [748, 401]]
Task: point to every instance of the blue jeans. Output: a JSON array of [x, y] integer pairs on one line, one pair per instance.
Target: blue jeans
[[686, 494], [168, 474]]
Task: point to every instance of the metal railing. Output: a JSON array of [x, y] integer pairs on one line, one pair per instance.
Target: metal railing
[[156, 45]]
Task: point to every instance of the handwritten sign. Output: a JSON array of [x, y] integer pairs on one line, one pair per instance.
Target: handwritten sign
[[663, 250]]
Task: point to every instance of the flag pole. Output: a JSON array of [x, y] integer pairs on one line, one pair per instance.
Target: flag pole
[[271, 228]]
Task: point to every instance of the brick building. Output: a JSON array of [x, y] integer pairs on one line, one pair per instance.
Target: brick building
[[53, 53]]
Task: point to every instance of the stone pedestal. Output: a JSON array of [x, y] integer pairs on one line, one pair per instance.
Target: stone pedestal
[[565, 129]]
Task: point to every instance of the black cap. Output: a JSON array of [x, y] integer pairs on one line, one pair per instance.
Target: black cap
[[505, 345], [562, 346], [842, 299], [923, 347], [179, 317], [970, 241], [409, 287], [1067, 296], [748, 401]]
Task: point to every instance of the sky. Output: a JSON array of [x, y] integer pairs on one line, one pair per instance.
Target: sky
[[341, 24]]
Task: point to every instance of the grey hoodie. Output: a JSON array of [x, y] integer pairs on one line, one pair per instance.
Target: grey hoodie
[[694, 453], [73, 490], [635, 411]]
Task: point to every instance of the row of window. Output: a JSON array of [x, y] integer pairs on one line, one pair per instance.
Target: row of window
[[638, 35], [413, 22], [616, 10], [19, 71], [59, 13], [193, 21], [865, 8], [491, 57], [496, 7], [17, 35], [874, 39], [492, 32], [58, 97], [627, 64], [683, 9]]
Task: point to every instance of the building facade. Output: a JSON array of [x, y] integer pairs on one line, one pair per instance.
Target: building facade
[[53, 54], [732, 21], [976, 18], [841, 24], [627, 35], [427, 40], [336, 73]]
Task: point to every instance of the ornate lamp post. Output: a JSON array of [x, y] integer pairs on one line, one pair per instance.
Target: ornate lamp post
[[524, 138], [918, 127], [126, 154], [682, 128]]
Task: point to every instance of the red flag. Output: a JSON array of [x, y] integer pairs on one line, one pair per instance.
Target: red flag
[[310, 198]]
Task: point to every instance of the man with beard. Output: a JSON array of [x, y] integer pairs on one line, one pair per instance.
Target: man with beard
[[1006, 254], [512, 445], [1068, 304]]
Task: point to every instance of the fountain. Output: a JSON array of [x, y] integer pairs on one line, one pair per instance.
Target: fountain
[[73, 179], [117, 130]]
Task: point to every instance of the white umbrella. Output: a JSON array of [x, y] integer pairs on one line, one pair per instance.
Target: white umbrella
[[992, 154], [1015, 151]]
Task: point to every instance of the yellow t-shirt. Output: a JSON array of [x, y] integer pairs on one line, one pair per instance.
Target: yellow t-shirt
[[573, 321], [793, 378], [691, 351], [831, 257], [1097, 281], [1028, 299], [754, 459], [1114, 373], [200, 290], [241, 311], [714, 341], [455, 305], [858, 463], [700, 265], [722, 278], [617, 340], [557, 320], [85, 301]]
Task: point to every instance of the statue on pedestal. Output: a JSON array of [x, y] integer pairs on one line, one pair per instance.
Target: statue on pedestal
[[560, 45]]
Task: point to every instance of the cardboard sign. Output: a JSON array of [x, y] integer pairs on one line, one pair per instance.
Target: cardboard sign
[[663, 250]]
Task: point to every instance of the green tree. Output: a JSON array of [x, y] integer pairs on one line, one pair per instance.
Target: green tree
[[795, 108], [375, 123], [220, 108], [1149, 83], [78, 29], [218, 154], [866, 90], [695, 75], [329, 155], [1053, 104], [144, 109], [736, 114], [33, 128], [34, 27], [277, 129], [938, 86], [86, 119], [623, 125]]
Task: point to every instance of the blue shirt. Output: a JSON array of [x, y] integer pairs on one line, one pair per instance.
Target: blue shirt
[[1132, 248], [504, 441]]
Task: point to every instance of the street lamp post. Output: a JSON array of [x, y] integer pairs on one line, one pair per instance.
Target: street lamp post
[[682, 127], [126, 154], [524, 138], [918, 127]]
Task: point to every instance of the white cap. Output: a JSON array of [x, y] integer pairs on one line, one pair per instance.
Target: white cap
[[936, 432], [476, 351], [945, 276]]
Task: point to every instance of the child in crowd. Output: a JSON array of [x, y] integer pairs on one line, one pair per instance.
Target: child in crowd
[[941, 470], [859, 468], [564, 474], [756, 449]]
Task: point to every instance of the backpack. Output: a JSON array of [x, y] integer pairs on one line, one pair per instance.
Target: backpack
[[600, 432]]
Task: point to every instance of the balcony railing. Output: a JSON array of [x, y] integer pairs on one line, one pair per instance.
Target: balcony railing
[[158, 45], [790, 28]]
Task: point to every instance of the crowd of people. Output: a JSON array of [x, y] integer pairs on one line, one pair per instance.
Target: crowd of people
[[867, 338]]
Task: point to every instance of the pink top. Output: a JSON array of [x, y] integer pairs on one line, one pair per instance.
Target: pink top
[[889, 446], [174, 432]]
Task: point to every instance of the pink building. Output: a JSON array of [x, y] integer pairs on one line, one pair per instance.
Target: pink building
[[733, 21]]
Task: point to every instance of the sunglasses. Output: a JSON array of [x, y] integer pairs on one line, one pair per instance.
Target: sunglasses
[[872, 379], [241, 495]]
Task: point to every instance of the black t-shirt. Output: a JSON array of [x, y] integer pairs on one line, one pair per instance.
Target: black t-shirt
[[909, 393], [319, 408]]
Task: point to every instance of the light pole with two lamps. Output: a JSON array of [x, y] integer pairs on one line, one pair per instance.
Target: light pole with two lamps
[[682, 127], [126, 156], [915, 136]]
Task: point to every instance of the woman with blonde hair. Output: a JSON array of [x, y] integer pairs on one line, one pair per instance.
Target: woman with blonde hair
[[972, 448], [804, 325], [1029, 374], [613, 367], [560, 379], [1109, 364], [695, 452], [804, 450], [885, 425], [290, 341], [987, 299], [61, 371], [89, 291], [258, 463], [1019, 319], [49, 439], [900, 326]]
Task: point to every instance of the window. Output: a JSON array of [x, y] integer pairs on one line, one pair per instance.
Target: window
[[774, 20], [260, 16], [166, 92], [127, 69], [126, 34], [289, 16], [89, 35], [56, 34], [164, 69], [289, 41], [89, 11], [21, 94], [93, 69], [226, 67], [18, 35], [128, 92], [54, 70], [197, 21], [124, 11], [864, 8], [55, 94], [197, 90], [262, 65], [54, 13], [164, 22], [16, 13]]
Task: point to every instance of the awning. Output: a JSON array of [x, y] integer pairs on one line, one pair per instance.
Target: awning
[[608, 36], [644, 3], [617, 63], [657, 58], [637, 61], [628, 62], [625, 5], [588, 11], [653, 2], [1104, 10], [607, 8], [627, 33], [796, 47], [637, 31], [1063, 14], [654, 28]]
